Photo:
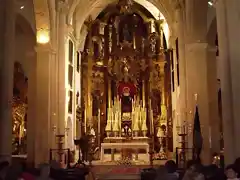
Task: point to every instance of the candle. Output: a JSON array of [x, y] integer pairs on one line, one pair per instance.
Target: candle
[[152, 122], [152, 26], [210, 137], [143, 93], [85, 121], [134, 41]]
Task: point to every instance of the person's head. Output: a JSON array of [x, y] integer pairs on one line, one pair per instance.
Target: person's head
[[161, 171], [171, 166], [237, 162], [44, 170], [190, 163], [3, 165], [195, 169], [210, 171], [231, 172]]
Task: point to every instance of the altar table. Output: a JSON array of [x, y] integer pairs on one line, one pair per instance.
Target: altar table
[[124, 145]]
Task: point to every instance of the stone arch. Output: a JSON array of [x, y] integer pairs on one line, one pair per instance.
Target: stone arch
[[24, 33], [92, 8], [24, 25], [212, 33]]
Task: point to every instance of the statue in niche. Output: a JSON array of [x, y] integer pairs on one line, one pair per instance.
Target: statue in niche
[[95, 102], [126, 33], [156, 102], [19, 109], [126, 76]]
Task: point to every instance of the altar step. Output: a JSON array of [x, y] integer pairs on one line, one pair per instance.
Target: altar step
[[118, 172]]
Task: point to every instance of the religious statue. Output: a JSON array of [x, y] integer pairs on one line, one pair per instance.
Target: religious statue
[[19, 108], [101, 49], [125, 6], [153, 42], [126, 33]]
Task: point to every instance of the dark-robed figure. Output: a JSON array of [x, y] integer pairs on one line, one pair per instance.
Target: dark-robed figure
[[84, 146]]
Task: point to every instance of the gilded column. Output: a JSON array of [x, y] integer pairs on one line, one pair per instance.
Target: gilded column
[[62, 13], [89, 87], [89, 77], [7, 58]]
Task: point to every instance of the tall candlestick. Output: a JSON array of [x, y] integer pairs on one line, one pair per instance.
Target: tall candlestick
[[99, 128], [109, 94], [99, 120], [143, 93], [110, 38], [85, 120], [142, 45], [152, 128]]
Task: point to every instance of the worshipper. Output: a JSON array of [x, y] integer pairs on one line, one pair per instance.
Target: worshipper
[[237, 165], [44, 172], [171, 168], [161, 173], [210, 172], [231, 172], [194, 172], [27, 174], [14, 172], [3, 169], [84, 147]]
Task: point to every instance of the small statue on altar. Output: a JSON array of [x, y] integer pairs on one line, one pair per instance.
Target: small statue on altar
[[127, 131]]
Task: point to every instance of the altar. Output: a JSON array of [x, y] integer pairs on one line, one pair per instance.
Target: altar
[[125, 96], [135, 148]]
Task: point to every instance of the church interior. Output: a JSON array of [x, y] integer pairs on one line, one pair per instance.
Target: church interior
[[135, 75]]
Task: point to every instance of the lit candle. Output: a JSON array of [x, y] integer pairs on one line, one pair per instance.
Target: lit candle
[[134, 41]]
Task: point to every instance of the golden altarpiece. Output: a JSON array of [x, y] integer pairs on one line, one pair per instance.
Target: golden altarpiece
[[125, 78], [19, 110]]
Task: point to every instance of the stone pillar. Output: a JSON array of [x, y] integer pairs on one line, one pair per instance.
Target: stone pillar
[[7, 58], [54, 98], [182, 63], [42, 124], [197, 83], [212, 82], [228, 25], [31, 111], [201, 69], [61, 68]]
